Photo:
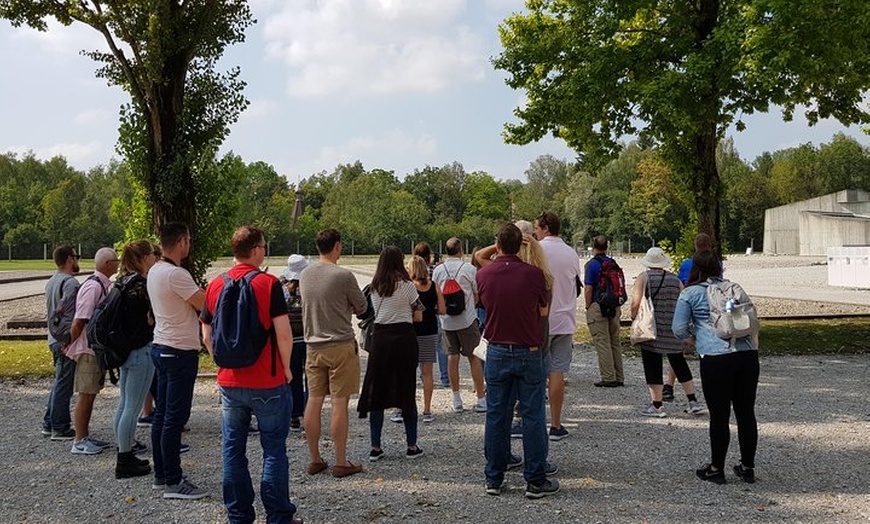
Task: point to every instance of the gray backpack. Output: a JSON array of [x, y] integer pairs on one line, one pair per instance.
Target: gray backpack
[[732, 313]]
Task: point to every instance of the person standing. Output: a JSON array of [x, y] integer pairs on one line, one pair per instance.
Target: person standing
[[663, 288], [424, 251], [56, 423], [729, 373], [261, 389], [331, 295], [89, 378], [565, 267], [604, 329], [137, 371], [390, 379], [461, 331], [175, 301], [427, 330], [299, 384]]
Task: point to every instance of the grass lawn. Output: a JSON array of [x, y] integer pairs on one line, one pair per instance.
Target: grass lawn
[[36, 265], [223, 262]]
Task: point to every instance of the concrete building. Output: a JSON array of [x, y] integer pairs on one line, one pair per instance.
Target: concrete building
[[809, 227]]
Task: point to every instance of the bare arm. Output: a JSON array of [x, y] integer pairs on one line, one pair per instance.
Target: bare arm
[[77, 328], [637, 294], [197, 300], [484, 256], [587, 295], [441, 308], [206, 338], [284, 339]]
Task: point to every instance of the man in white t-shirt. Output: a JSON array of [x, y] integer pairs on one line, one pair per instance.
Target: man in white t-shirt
[[461, 332], [175, 300], [565, 268]]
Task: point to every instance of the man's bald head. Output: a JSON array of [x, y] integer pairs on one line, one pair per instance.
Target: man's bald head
[[453, 247]]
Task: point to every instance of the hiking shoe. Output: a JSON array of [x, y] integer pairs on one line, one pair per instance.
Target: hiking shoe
[[145, 422], [138, 447], [185, 490], [514, 461], [376, 455], [493, 488], [695, 408], [652, 411], [668, 393], [428, 417], [606, 384], [61, 435], [517, 429], [159, 483], [457, 406], [547, 487], [480, 406], [746, 474], [551, 469], [706, 473], [97, 442], [295, 425], [85, 447], [184, 448], [557, 434], [397, 417], [45, 432], [415, 452]]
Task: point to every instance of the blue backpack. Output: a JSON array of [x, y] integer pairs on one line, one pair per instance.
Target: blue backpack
[[237, 336]]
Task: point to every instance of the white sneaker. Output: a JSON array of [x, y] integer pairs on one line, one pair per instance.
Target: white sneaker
[[428, 417], [695, 408], [457, 406], [397, 416], [652, 411], [85, 447], [480, 406]]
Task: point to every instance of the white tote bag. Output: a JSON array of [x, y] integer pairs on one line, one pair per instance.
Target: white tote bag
[[643, 327]]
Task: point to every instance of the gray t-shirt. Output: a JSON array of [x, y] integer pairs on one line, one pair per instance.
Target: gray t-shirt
[[53, 293], [331, 295]]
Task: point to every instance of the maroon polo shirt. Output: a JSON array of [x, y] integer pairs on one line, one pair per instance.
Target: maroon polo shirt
[[512, 293]]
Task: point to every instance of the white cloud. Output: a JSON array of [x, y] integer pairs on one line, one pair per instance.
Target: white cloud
[[79, 155], [92, 117], [258, 110], [374, 46], [61, 40]]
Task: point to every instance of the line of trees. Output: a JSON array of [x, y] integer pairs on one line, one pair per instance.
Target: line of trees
[[634, 199]]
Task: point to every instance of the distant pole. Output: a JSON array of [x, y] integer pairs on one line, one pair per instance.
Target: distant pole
[[352, 248], [10, 251], [45, 251], [297, 246], [80, 250]]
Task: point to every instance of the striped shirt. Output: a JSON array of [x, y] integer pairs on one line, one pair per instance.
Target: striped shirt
[[397, 308]]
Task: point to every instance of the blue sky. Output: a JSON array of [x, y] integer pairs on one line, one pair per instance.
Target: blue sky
[[396, 84]]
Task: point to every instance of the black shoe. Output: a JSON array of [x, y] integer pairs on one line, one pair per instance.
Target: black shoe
[[129, 466], [415, 452], [668, 393], [706, 473], [376, 455], [547, 487], [607, 384], [514, 461], [745, 474]]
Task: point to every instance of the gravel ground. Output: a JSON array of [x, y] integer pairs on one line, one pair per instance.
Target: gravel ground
[[615, 466]]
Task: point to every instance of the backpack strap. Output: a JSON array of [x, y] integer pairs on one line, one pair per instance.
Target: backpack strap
[[659, 288]]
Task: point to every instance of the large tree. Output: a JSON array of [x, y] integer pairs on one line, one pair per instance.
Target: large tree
[[680, 73], [163, 54]]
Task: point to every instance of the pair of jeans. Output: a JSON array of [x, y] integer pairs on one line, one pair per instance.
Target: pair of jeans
[[299, 384], [134, 383], [442, 362], [515, 374], [272, 407], [57, 407], [731, 380], [176, 371], [376, 426]]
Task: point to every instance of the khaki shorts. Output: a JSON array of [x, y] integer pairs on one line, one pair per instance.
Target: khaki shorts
[[463, 341], [333, 370], [89, 378]]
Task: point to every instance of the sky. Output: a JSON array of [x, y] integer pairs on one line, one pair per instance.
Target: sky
[[395, 84]]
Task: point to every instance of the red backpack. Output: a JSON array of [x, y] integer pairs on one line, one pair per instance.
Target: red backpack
[[454, 296], [610, 293]]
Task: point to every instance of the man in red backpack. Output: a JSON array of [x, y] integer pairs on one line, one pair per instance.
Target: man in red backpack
[[604, 327]]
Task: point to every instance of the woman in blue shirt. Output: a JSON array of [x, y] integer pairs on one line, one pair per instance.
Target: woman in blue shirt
[[729, 373]]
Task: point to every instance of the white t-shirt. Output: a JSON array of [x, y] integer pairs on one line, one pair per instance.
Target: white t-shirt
[[565, 267], [396, 308], [176, 324], [466, 275]]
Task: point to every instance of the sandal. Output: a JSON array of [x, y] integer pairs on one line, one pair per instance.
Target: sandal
[[316, 467]]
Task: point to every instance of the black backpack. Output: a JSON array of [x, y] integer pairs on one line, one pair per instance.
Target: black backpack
[[237, 335], [454, 296], [60, 320], [105, 329]]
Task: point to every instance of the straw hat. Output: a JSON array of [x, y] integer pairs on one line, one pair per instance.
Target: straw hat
[[655, 258], [295, 265]]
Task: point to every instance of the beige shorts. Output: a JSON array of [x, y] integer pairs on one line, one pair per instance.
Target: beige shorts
[[463, 341], [333, 370], [89, 378]]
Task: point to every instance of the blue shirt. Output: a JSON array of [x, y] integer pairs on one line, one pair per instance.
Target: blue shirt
[[692, 319], [593, 270], [685, 269]]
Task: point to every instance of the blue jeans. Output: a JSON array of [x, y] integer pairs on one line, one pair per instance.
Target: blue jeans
[[442, 361], [135, 381], [57, 407], [515, 374], [299, 384], [376, 427], [176, 374], [272, 407]]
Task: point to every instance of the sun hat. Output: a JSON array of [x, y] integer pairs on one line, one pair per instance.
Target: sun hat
[[295, 265], [655, 258]]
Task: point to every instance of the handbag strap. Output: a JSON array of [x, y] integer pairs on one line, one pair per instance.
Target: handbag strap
[[659, 288]]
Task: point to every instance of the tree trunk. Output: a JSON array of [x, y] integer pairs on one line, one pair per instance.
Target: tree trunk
[[707, 184]]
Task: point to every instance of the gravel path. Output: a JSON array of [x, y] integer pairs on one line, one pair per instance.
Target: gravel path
[[615, 466]]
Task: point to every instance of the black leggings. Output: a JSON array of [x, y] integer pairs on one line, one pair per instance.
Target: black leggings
[[728, 380], [652, 367]]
